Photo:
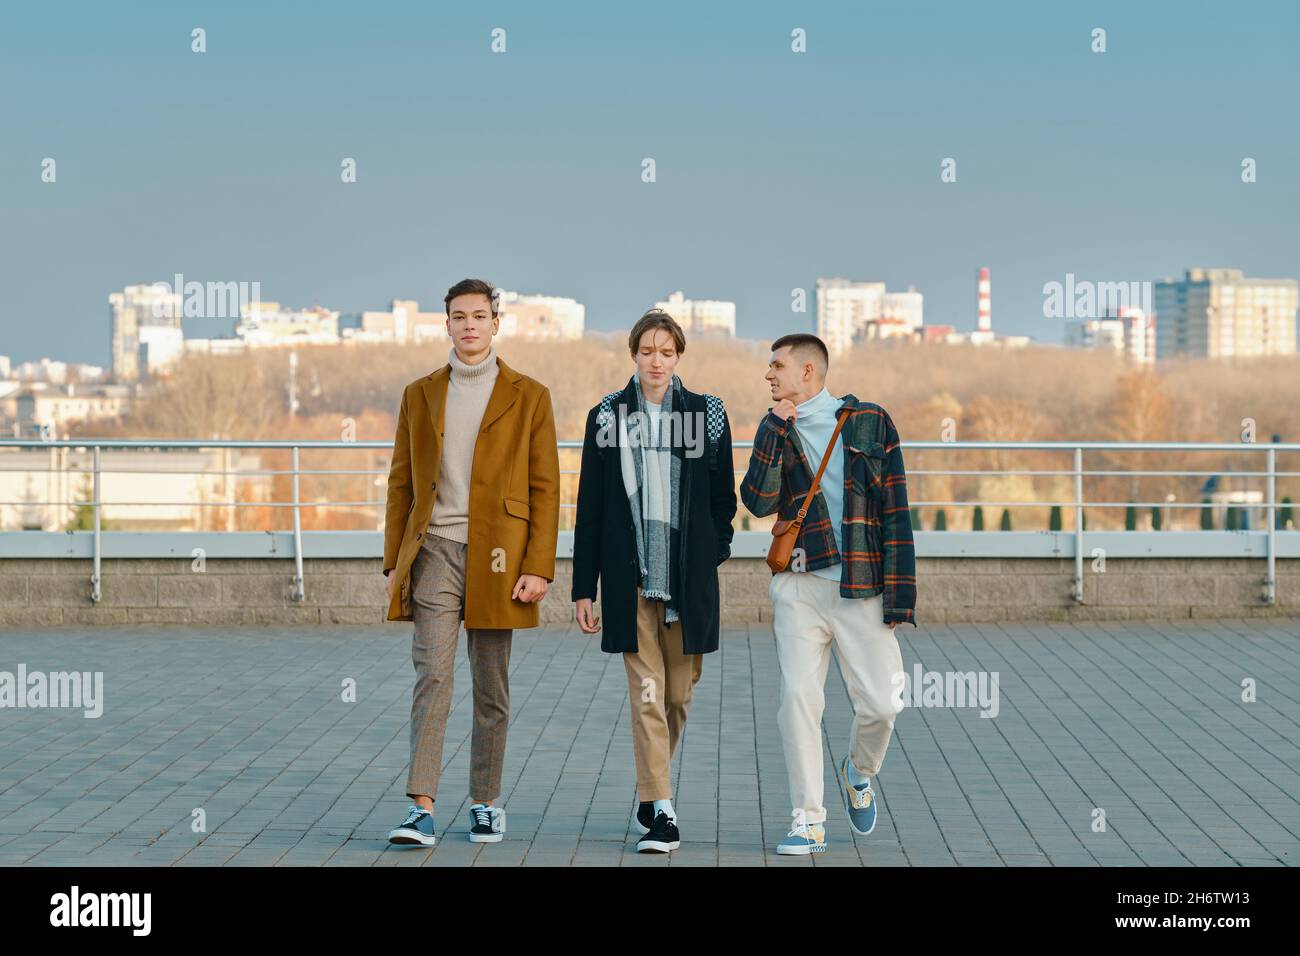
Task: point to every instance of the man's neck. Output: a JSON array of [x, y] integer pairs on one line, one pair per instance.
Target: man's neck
[[474, 359], [654, 394], [801, 397]]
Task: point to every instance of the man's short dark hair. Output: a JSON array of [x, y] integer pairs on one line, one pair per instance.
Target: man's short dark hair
[[802, 342], [656, 319], [471, 287]]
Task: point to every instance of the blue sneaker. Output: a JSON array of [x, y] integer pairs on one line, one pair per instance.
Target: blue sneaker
[[804, 838], [486, 824], [859, 801], [416, 829]]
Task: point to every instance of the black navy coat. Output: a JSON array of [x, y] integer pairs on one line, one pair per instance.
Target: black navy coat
[[604, 541]]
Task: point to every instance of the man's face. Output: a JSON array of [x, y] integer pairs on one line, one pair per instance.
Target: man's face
[[656, 357], [470, 323], [785, 373]]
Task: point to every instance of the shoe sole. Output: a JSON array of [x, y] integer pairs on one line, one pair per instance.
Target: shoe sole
[[411, 838], [800, 850], [486, 837], [844, 798], [657, 846]]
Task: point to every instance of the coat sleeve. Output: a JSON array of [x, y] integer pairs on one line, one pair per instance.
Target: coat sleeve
[[896, 518], [587, 526], [399, 489], [761, 489], [543, 492], [722, 491]]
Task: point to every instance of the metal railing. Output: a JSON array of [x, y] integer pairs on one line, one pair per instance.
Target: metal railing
[[96, 504]]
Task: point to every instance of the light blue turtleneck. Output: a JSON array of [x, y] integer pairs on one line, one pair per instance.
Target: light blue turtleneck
[[815, 423]]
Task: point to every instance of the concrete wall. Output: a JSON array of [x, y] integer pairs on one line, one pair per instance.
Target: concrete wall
[[55, 592]]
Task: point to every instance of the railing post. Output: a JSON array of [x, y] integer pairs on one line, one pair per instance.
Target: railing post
[[1270, 579], [1078, 525], [96, 593], [299, 592]]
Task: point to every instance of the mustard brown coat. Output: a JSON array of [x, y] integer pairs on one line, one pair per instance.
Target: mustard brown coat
[[514, 495]]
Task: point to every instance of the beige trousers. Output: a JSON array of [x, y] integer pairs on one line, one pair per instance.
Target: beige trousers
[[809, 618], [660, 683]]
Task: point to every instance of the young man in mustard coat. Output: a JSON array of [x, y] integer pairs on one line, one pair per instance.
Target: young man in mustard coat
[[470, 534]]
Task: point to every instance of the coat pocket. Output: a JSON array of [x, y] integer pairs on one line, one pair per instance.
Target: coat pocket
[[517, 507], [866, 467]]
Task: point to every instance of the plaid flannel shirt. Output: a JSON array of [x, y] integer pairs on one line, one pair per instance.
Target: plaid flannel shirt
[[876, 532]]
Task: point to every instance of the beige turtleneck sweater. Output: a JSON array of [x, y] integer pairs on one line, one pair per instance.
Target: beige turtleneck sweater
[[468, 392]]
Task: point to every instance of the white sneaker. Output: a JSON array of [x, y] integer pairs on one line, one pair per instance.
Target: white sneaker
[[804, 837]]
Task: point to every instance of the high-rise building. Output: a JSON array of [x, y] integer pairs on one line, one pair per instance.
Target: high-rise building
[[412, 325], [1130, 332], [526, 316], [844, 307], [160, 347], [1217, 313], [906, 309], [402, 323], [48, 409], [701, 316], [267, 324], [136, 307], [540, 316]]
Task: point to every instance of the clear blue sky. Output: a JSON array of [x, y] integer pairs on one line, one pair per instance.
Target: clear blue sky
[[524, 168]]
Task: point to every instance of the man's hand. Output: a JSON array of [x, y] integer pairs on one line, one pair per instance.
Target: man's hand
[[529, 588], [388, 586], [587, 619], [785, 410], [892, 624]]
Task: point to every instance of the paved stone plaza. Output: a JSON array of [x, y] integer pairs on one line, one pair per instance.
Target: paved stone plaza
[[1143, 720]]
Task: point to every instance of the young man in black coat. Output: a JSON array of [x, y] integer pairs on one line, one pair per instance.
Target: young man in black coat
[[656, 498]]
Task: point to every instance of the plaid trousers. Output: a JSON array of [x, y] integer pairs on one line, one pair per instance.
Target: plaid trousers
[[438, 607]]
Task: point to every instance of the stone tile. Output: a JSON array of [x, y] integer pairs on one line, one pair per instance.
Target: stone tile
[[1131, 716]]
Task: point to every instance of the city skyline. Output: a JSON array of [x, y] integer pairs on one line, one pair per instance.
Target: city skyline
[[829, 162], [847, 311]]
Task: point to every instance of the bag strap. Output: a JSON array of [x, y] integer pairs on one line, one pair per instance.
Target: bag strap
[[830, 447]]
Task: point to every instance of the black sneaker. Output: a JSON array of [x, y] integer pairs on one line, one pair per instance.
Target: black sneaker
[[663, 836], [486, 824], [645, 817]]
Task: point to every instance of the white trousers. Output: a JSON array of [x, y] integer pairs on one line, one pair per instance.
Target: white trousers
[[810, 616]]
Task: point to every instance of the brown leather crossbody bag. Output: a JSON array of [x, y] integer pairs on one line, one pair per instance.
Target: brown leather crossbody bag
[[786, 532]]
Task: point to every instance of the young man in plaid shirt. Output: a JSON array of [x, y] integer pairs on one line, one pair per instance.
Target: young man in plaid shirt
[[851, 580]]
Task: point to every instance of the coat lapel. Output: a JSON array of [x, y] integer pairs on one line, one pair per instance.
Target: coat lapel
[[505, 392], [435, 394]]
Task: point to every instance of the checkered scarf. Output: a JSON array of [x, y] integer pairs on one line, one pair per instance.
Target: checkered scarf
[[652, 477]]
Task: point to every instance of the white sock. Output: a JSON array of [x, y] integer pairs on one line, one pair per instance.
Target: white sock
[[667, 807], [856, 776]]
